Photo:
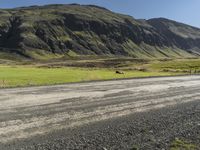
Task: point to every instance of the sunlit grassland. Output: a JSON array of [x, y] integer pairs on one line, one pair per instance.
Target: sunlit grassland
[[181, 65], [17, 76], [61, 72]]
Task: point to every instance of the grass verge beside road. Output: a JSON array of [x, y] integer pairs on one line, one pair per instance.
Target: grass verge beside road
[[53, 72], [19, 76]]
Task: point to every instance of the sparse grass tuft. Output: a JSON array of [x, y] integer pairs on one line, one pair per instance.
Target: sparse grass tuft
[[135, 148], [178, 144]]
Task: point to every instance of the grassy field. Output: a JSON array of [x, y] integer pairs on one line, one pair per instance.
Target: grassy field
[[89, 70], [182, 65], [28, 76]]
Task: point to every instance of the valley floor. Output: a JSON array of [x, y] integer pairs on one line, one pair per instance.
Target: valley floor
[[53, 72]]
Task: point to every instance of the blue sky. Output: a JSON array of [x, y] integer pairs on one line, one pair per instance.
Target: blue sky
[[186, 11]]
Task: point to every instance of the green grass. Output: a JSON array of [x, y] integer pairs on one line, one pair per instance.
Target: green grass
[[182, 65], [59, 72], [72, 53], [27, 76], [182, 145], [43, 55]]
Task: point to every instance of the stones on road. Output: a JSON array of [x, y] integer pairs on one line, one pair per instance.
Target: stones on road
[[27, 113]]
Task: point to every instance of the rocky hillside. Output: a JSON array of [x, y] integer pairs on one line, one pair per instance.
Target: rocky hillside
[[57, 30]]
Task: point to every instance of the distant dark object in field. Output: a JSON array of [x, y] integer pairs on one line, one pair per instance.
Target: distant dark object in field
[[119, 72]]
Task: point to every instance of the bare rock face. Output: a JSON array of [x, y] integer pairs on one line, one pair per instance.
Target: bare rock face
[[93, 30]]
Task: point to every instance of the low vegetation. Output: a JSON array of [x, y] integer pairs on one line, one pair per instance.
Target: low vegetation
[[178, 144], [14, 76], [19, 74], [42, 32], [182, 65]]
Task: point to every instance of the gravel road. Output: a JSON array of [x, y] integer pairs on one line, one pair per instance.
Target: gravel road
[[144, 113]]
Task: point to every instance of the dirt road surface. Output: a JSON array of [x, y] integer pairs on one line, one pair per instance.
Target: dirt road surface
[[128, 114]]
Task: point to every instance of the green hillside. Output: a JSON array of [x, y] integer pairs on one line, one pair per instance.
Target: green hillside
[[54, 31]]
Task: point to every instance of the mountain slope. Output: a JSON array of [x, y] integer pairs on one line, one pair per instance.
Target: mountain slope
[[74, 29]]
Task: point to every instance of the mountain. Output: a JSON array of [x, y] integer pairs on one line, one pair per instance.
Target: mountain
[[56, 30]]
